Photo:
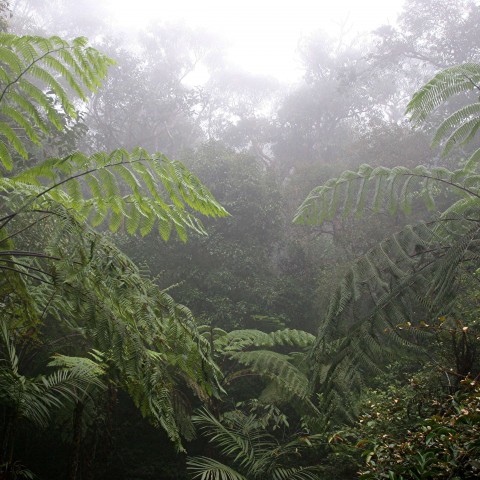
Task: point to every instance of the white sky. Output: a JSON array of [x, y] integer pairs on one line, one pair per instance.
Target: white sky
[[263, 34]]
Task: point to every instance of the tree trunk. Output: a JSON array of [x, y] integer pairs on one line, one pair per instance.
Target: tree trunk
[[77, 441], [8, 442]]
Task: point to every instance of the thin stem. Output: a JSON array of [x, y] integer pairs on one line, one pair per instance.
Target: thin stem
[[8, 218], [23, 229], [24, 253], [3, 267], [35, 269]]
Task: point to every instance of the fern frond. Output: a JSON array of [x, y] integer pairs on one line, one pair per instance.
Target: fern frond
[[48, 62], [276, 367], [385, 189], [108, 198], [441, 87], [461, 126]]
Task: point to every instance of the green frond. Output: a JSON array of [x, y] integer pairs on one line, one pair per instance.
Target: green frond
[[406, 278], [117, 172], [441, 87], [12, 139], [240, 339], [204, 468], [461, 126], [250, 450], [276, 367], [234, 444], [52, 63], [298, 473], [385, 189]]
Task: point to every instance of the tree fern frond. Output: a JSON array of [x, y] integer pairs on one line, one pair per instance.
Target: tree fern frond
[[441, 87], [386, 189], [111, 171], [50, 61], [275, 367]]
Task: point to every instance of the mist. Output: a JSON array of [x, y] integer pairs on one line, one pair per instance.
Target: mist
[[240, 238]]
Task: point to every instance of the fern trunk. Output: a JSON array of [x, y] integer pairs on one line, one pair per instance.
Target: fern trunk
[[8, 442], [77, 441]]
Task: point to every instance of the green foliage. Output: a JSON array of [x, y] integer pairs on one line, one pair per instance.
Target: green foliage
[[135, 190], [285, 374], [383, 189], [240, 339], [35, 73], [411, 277], [60, 275], [443, 445], [462, 125], [252, 451], [33, 399]]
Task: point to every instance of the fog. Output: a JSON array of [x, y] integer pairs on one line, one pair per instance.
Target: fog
[[262, 37], [239, 240]]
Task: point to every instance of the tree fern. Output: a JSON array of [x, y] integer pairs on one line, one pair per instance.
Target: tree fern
[[386, 296], [284, 375], [149, 343], [56, 266], [461, 126], [32, 70]]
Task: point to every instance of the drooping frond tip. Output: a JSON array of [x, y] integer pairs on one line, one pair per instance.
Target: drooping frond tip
[[387, 189], [37, 76], [134, 190], [462, 125], [441, 87]]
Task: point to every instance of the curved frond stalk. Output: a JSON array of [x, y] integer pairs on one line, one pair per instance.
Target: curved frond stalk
[[441, 87], [381, 188], [461, 126], [34, 73], [134, 190]]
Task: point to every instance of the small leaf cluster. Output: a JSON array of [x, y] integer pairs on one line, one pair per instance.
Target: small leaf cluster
[[444, 445]]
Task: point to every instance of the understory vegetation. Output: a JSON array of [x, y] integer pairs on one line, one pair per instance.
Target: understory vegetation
[[239, 280]]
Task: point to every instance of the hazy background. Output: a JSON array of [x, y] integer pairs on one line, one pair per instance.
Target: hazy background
[[262, 36]]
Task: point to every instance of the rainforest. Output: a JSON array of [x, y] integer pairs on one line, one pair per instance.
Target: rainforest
[[211, 273]]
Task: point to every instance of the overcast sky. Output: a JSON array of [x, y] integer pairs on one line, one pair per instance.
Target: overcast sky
[[263, 34]]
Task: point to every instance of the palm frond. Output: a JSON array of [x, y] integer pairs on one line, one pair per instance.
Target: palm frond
[[204, 468]]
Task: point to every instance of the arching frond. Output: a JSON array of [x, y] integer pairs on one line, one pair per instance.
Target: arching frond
[[204, 468], [385, 189], [241, 339], [276, 367], [441, 87], [253, 453], [35, 72], [461, 126], [136, 190], [34, 399], [241, 443]]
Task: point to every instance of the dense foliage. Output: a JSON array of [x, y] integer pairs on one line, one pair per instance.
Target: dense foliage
[[345, 347]]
